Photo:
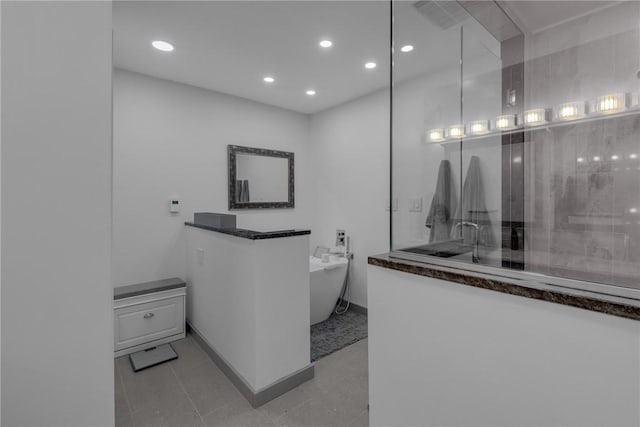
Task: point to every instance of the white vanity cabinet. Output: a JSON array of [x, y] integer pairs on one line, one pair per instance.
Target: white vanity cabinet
[[148, 314]]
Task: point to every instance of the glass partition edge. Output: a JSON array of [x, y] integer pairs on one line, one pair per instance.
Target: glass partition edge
[[596, 290]]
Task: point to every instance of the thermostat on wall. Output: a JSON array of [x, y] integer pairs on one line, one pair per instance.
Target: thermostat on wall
[[174, 205]]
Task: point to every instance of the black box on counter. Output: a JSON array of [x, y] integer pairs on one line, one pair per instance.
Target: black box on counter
[[215, 220]]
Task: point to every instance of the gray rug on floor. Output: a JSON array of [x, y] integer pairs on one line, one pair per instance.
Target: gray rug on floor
[[337, 332]]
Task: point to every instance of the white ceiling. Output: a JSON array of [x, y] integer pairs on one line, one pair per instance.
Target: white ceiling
[[229, 46], [538, 15]]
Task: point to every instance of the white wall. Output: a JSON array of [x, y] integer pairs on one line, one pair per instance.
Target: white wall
[[442, 353], [251, 310], [350, 150], [171, 139], [57, 318]]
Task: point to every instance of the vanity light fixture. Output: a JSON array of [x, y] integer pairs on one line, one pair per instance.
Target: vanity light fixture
[[570, 110], [269, 79], [615, 157], [611, 103], [326, 43], [633, 156], [456, 131], [436, 135], [535, 117], [406, 48], [580, 159], [506, 122], [370, 65], [596, 158], [478, 127], [633, 210], [311, 92], [162, 45]]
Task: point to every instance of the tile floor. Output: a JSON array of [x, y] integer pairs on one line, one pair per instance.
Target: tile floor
[[192, 391]]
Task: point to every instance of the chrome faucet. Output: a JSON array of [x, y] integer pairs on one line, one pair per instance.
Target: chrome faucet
[[474, 251]]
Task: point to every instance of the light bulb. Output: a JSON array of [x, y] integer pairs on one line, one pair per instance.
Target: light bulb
[[570, 110], [162, 45], [506, 122], [436, 135], [537, 116], [611, 103], [478, 127], [456, 131]]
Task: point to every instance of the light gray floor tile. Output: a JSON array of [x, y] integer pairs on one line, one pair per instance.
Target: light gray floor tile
[[208, 387], [155, 417], [189, 354], [153, 388], [238, 414], [362, 420], [290, 400], [192, 391], [325, 411], [123, 413]]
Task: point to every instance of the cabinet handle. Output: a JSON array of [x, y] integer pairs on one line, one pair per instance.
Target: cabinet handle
[[148, 316]]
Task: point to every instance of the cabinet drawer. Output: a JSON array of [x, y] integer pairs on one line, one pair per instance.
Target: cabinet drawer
[[141, 323]]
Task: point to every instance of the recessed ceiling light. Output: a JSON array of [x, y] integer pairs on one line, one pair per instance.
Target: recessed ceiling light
[[162, 45], [326, 43], [311, 92], [406, 48], [269, 79], [370, 65]]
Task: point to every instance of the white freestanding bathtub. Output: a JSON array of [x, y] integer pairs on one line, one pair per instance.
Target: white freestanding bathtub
[[326, 283]]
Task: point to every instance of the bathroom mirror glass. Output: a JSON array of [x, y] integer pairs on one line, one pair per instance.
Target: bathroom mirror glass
[[260, 178]]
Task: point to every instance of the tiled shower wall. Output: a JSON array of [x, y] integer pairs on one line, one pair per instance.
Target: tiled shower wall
[[582, 180]]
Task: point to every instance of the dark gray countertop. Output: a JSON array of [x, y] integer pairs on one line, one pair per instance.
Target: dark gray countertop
[[585, 300], [147, 288], [250, 234]]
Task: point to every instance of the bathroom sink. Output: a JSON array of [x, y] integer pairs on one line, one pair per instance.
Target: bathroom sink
[[446, 249]]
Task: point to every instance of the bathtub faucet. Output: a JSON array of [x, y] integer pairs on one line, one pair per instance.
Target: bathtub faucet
[[474, 249]]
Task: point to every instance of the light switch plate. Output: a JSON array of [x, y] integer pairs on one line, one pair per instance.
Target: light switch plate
[[415, 204]]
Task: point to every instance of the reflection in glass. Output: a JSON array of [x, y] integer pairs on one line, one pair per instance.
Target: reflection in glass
[[544, 174]]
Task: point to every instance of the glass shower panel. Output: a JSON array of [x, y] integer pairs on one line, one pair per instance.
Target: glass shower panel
[[479, 217], [516, 138], [426, 105], [582, 188]]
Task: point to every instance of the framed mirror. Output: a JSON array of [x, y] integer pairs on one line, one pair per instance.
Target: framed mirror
[[260, 178]]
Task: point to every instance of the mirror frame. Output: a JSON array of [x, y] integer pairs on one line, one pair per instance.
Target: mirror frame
[[232, 151]]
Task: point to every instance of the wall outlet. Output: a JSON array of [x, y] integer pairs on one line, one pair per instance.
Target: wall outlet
[[415, 204], [340, 237]]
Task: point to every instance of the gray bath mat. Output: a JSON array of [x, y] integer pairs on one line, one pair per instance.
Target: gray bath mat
[[338, 331], [152, 356]]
